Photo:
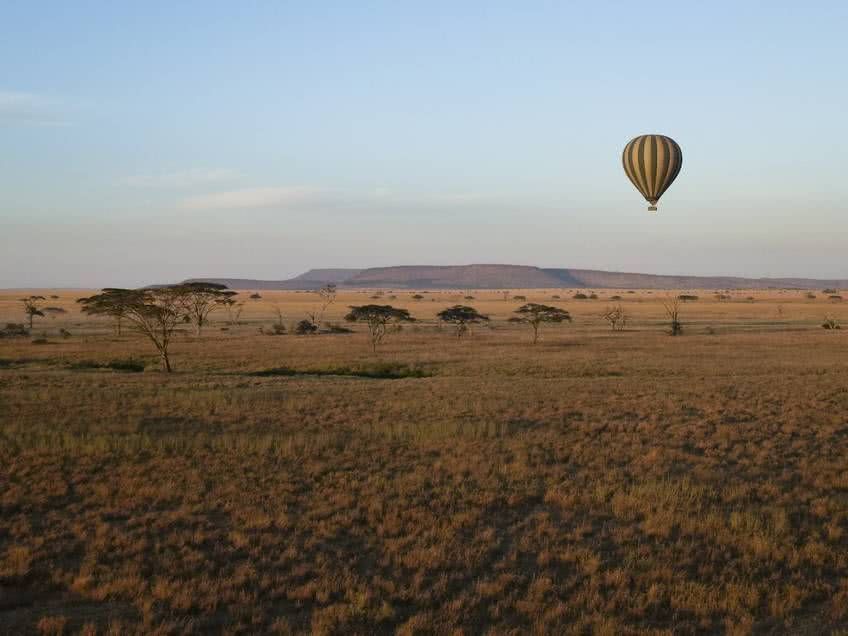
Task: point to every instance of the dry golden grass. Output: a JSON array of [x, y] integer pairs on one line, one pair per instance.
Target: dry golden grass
[[598, 482]]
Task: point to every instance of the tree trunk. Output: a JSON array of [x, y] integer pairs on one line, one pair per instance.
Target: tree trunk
[[535, 334], [166, 363]]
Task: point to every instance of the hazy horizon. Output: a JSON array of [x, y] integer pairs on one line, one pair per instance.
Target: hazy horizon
[[145, 145]]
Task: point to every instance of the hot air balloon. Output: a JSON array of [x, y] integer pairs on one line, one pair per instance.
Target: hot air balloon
[[652, 163]]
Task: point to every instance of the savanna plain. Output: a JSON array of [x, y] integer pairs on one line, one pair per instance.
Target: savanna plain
[[597, 482]]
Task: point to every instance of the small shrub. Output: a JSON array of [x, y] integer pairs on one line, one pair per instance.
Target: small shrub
[[555, 297], [687, 297], [521, 298], [14, 330], [580, 296], [256, 296], [615, 297], [835, 297], [304, 328], [831, 323], [278, 329], [468, 297], [40, 341], [811, 295], [64, 333], [593, 296], [828, 291], [417, 297]]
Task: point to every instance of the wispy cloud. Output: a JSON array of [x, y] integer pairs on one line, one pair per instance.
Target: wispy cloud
[[28, 109], [181, 179], [254, 198]]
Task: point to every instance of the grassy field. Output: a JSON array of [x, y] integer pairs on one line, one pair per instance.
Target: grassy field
[[595, 483]]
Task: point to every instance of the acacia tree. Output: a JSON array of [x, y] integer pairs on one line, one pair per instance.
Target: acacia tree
[[154, 312], [201, 299], [114, 308], [672, 311], [328, 297], [378, 318], [461, 317], [233, 307], [32, 308], [535, 314]]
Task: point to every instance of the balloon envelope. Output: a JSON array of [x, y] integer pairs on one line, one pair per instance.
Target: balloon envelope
[[652, 163]]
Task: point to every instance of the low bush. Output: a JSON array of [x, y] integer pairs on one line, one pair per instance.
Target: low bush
[[831, 323], [305, 327], [14, 330]]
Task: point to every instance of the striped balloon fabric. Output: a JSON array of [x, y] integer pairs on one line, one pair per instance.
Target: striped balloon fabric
[[652, 163]]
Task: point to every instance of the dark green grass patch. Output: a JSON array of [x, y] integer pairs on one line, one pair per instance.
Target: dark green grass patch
[[128, 365], [377, 371]]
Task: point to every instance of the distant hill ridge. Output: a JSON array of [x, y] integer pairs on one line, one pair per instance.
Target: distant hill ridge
[[497, 276]]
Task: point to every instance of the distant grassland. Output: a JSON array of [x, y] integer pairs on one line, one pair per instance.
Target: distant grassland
[[598, 482]]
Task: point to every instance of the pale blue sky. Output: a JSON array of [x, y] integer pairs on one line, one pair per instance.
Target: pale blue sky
[[157, 141]]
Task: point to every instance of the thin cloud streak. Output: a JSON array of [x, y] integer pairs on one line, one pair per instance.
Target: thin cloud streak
[[253, 198]]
